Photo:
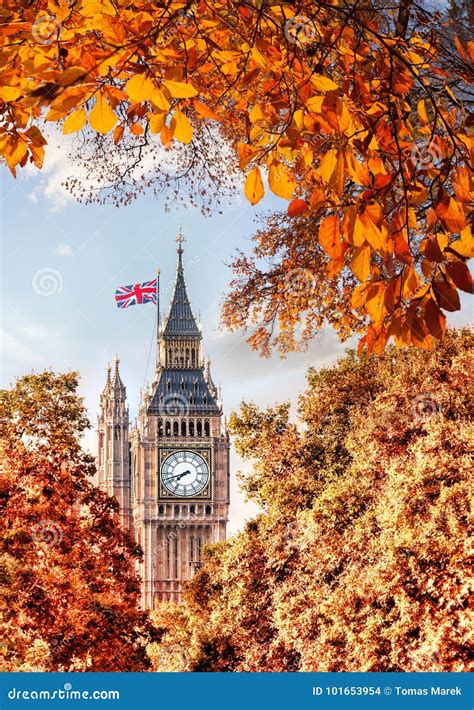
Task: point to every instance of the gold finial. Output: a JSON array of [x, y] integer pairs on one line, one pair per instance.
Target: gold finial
[[116, 359], [180, 239]]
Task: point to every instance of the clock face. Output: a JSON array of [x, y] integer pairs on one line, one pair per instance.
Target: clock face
[[185, 473]]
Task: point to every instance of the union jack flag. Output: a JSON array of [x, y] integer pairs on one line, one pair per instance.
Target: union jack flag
[[126, 296]]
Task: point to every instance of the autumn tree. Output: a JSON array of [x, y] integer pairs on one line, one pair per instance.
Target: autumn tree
[[69, 595], [359, 560], [357, 113]]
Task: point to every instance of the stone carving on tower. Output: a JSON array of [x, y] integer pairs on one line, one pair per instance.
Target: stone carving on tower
[[174, 491]]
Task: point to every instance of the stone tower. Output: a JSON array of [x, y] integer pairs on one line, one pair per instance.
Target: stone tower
[[179, 456], [113, 445]]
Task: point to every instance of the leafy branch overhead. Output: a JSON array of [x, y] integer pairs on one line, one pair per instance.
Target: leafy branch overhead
[[355, 113]]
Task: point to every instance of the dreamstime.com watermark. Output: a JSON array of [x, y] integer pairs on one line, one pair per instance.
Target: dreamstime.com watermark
[[63, 694]]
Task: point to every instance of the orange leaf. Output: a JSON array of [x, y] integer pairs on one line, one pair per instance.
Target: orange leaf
[[281, 182], [375, 303], [330, 237], [452, 215], [204, 111], [360, 262], [296, 207], [254, 189], [118, 133]]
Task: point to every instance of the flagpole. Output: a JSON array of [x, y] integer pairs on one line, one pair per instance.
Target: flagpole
[[157, 318]]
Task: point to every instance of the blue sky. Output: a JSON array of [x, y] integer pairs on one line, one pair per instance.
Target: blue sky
[[80, 254]]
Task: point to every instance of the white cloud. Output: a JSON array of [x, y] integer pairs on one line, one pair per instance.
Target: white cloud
[[63, 249]]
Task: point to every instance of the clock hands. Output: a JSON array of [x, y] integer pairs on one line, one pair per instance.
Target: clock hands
[[177, 476]]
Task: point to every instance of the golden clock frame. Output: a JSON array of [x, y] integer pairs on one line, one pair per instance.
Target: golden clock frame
[[206, 453]]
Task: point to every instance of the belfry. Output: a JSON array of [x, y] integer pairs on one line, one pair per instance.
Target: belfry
[[170, 471]]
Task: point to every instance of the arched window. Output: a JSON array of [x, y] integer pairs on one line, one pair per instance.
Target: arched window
[[187, 357], [207, 429], [175, 428], [208, 509], [191, 427], [169, 385], [196, 386], [191, 399], [168, 428], [183, 386], [161, 510], [193, 356], [204, 399], [183, 427], [192, 509], [199, 427], [176, 509], [160, 427]]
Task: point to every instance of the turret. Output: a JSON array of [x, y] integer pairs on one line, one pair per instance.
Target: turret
[[113, 445]]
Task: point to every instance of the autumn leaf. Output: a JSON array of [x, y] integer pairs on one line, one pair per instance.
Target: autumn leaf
[[435, 319], [461, 276], [446, 295], [330, 237], [181, 127], [360, 262], [254, 189], [179, 89], [281, 181], [75, 121], [139, 88], [9, 93], [102, 119], [296, 207], [156, 122], [375, 305]]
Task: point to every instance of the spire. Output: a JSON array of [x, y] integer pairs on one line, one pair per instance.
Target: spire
[[116, 379], [180, 240], [181, 319], [108, 383]]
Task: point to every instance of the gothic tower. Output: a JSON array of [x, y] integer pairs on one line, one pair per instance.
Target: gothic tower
[[179, 456], [113, 446]]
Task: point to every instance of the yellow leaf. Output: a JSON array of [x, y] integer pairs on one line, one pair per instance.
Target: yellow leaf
[[9, 93], [181, 127], [102, 119], [360, 262], [156, 122], [179, 90], [327, 165], [281, 181], [322, 83], [75, 121], [465, 244], [139, 88], [254, 190]]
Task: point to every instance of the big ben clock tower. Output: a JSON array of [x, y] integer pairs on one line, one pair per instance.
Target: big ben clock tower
[[179, 457]]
